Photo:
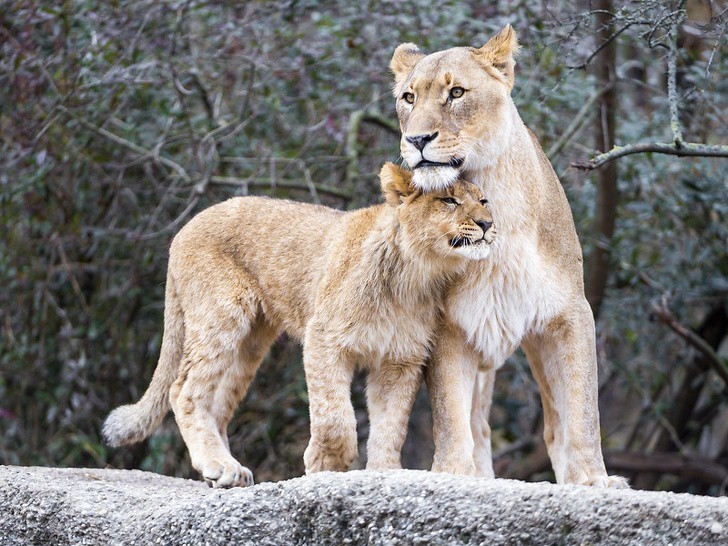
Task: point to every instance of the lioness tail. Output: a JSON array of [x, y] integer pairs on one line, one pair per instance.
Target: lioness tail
[[135, 422]]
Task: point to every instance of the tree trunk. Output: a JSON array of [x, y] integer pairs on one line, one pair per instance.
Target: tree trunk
[[604, 127]]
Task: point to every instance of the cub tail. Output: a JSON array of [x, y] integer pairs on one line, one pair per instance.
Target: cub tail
[[135, 422]]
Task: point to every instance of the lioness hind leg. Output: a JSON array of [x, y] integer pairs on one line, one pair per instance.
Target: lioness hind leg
[[479, 417], [333, 443], [564, 363], [391, 391]]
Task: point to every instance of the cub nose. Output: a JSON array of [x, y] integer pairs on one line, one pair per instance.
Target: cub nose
[[484, 225], [420, 141]]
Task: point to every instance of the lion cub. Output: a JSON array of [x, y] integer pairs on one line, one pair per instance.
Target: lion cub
[[359, 288]]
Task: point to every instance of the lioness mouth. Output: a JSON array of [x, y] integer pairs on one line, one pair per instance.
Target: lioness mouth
[[454, 162], [458, 242]]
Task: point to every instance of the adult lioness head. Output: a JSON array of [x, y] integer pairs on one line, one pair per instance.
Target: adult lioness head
[[451, 222], [454, 107]]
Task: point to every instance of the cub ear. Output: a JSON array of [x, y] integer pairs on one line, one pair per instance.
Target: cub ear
[[405, 57], [500, 51], [396, 183]]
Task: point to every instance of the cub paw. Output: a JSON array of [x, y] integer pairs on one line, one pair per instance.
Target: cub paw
[[384, 464], [224, 474], [318, 459]]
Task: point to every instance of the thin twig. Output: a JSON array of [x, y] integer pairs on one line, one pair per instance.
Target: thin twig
[[174, 223], [581, 117], [662, 313], [127, 144]]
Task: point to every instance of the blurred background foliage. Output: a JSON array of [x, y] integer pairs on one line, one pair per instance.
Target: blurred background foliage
[[120, 120]]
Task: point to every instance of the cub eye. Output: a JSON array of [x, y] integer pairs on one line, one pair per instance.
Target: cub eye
[[483, 201], [409, 98], [449, 201], [456, 92]]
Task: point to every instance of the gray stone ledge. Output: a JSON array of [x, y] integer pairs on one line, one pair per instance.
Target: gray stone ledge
[[53, 506]]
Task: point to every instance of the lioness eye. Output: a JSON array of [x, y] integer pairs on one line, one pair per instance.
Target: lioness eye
[[408, 97], [450, 201], [483, 202], [456, 92]]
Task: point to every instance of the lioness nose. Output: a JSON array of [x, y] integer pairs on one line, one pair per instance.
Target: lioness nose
[[484, 225], [420, 141]]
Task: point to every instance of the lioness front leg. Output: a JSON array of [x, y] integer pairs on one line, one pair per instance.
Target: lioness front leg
[[333, 443], [450, 378], [391, 391], [564, 363]]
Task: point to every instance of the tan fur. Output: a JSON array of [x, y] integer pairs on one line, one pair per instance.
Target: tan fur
[[530, 292], [362, 288]]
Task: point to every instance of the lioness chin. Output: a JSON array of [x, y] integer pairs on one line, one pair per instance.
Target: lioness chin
[[458, 119], [361, 288]]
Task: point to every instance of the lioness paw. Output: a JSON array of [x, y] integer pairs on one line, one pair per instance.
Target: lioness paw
[[462, 467], [615, 482], [226, 474]]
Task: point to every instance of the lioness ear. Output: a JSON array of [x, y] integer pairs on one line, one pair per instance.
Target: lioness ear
[[396, 183], [405, 57], [500, 51]]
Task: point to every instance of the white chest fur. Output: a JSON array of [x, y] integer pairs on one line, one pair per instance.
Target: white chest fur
[[515, 291], [504, 298]]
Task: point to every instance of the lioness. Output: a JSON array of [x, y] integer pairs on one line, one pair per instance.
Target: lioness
[[361, 288], [457, 118]]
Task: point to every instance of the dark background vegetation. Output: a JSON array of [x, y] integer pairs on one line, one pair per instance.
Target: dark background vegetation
[[120, 120]]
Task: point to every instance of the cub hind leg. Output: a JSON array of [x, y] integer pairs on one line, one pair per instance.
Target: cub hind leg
[[391, 391], [223, 347]]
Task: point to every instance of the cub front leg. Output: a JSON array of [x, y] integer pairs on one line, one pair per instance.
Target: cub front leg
[[564, 362], [329, 372], [450, 378], [391, 391], [479, 422]]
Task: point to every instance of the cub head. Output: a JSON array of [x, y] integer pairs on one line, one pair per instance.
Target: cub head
[[454, 107], [453, 222]]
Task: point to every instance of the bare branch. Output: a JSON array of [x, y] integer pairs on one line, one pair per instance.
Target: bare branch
[[352, 147], [384, 122], [677, 147], [693, 467], [686, 149], [662, 313], [672, 98], [308, 185]]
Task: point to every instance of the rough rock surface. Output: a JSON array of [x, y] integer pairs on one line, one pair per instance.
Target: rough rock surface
[[88, 506]]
